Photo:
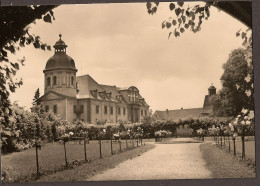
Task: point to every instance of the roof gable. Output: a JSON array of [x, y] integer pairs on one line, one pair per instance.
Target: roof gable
[[51, 95], [181, 114]]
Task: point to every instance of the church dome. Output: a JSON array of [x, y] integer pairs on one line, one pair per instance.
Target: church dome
[[212, 87], [60, 60]]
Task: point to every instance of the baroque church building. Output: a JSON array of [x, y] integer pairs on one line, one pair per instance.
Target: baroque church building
[[81, 97]]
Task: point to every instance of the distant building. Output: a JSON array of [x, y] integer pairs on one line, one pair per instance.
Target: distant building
[[181, 114], [81, 97]]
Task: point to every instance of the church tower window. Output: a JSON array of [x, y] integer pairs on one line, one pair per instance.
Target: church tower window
[[48, 81], [72, 80], [54, 80]]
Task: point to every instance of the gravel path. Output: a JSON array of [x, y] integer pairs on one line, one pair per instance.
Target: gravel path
[[165, 161]]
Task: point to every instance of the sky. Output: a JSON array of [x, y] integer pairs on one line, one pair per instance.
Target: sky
[[121, 44]]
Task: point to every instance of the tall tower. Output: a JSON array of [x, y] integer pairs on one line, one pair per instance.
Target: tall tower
[[212, 90], [60, 71]]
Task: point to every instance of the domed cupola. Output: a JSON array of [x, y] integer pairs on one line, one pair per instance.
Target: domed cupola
[[60, 71], [212, 90]]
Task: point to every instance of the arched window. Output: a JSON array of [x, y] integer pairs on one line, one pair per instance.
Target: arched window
[[48, 81], [54, 80], [72, 80]]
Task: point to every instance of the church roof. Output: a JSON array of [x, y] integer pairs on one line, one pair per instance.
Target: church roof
[[86, 85], [60, 60], [181, 114]]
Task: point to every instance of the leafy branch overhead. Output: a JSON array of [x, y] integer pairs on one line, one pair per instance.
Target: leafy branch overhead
[[191, 18], [185, 17], [15, 33]]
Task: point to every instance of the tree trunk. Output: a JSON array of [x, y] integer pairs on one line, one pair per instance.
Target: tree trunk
[[37, 164], [66, 161]]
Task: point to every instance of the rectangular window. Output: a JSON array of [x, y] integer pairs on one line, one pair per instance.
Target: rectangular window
[[142, 112], [97, 109], [119, 111], [145, 112], [55, 109], [46, 108], [105, 109], [111, 110], [124, 111], [82, 108], [74, 108]]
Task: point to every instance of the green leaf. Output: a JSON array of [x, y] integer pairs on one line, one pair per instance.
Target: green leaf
[[186, 26], [148, 5], [169, 35], [174, 22], [163, 25], [177, 11], [182, 30], [168, 25], [47, 18], [183, 19], [180, 3], [154, 9], [172, 6]]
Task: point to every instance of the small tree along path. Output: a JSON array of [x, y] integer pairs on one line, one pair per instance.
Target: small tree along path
[[165, 161]]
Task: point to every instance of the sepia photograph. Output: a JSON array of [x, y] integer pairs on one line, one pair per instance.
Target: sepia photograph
[[127, 91]]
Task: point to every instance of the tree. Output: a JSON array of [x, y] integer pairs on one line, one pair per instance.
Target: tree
[[191, 18], [15, 33], [36, 97], [236, 81]]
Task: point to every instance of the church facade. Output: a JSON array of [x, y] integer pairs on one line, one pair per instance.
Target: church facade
[[82, 98]]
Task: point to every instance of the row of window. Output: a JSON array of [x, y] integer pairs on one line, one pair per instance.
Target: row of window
[[55, 110], [54, 80], [111, 110]]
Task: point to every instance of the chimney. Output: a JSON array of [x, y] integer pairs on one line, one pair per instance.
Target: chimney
[[167, 111]]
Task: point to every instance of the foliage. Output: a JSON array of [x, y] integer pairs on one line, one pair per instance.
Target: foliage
[[15, 33], [237, 85], [186, 17], [27, 129]]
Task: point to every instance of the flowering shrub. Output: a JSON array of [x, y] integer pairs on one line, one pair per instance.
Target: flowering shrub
[[162, 134], [243, 124]]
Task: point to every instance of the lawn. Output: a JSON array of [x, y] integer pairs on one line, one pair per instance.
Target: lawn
[[82, 173], [224, 165], [22, 165], [249, 146]]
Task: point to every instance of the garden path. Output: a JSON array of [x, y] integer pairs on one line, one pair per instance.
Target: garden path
[[165, 161]]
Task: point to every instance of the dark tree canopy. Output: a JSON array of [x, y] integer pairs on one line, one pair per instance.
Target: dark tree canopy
[[36, 97], [236, 86], [14, 34]]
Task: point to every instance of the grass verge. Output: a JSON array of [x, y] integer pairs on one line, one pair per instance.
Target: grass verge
[[224, 165], [83, 172], [21, 166]]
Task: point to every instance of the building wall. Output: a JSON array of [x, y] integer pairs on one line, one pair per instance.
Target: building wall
[[64, 84], [62, 104], [144, 111]]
